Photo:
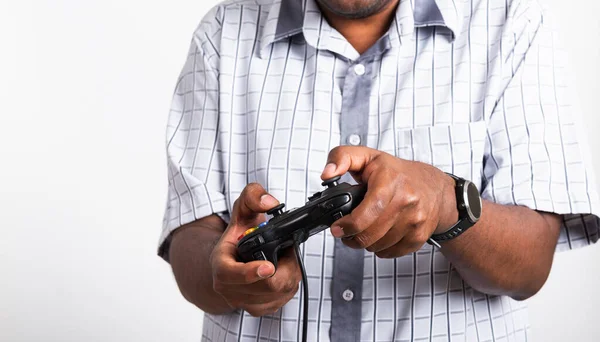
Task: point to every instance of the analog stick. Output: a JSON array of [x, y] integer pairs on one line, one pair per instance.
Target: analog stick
[[278, 210], [331, 182]]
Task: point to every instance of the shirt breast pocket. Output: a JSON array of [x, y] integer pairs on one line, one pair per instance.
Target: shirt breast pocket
[[457, 148]]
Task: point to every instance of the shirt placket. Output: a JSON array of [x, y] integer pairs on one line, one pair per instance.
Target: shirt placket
[[348, 263]]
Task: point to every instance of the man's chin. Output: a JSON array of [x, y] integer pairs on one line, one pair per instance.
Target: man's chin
[[354, 9]]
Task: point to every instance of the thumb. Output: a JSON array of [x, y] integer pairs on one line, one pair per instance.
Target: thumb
[[348, 158], [248, 211]]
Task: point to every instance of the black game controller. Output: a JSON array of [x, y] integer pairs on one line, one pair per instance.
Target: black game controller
[[285, 229]]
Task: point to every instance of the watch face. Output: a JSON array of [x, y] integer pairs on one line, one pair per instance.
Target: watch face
[[473, 200]]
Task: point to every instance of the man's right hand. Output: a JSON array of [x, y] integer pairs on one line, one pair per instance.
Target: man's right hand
[[255, 286]]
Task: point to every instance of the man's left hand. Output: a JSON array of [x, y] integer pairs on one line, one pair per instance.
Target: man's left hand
[[406, 201]]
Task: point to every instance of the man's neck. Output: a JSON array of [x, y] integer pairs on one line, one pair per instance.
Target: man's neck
[[362, 33]]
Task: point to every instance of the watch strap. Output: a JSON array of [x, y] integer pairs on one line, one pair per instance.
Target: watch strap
[[463, 221], [459, 227]]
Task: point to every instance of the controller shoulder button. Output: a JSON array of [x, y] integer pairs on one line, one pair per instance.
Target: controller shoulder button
[[315, 196]]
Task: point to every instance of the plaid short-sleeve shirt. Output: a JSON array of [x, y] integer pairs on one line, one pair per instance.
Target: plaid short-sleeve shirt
[[476, 88]]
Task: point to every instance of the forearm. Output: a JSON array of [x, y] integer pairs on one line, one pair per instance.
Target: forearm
[[508, 252], [190, 252]]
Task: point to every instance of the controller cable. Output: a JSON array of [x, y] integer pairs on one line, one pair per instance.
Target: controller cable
[[304, 291]]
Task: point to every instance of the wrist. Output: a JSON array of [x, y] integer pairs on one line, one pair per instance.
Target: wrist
[[448, 207]]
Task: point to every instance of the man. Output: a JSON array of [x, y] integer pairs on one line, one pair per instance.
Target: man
[[414, 91]]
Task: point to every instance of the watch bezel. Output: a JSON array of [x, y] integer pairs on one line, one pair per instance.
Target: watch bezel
[[466, 201]]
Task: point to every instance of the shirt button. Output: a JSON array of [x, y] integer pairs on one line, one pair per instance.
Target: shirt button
[[348, 295], [359, 69], [354, 139]]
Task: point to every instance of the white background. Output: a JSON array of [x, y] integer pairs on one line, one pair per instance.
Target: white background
[[85, 88]]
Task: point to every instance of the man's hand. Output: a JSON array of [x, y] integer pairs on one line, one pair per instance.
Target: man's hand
[[508, 253], [255, 286], [406, 201]]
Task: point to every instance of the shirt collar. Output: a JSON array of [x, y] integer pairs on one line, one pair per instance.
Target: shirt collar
[[288, 18]]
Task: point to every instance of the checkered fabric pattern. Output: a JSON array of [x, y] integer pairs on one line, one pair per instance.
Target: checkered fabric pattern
[[481, 94]]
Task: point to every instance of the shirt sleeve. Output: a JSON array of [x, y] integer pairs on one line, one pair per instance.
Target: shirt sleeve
[[195, 164], [536, 153]]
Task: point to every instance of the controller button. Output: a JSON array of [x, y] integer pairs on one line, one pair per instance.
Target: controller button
[[260, 239], [263, 224], [259, 256], [250, 231], [337, 215], [336, 202]]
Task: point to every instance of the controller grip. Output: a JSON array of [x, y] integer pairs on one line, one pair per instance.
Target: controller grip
[[270, 252]]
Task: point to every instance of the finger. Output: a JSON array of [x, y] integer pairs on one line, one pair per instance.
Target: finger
[[402, 248], [227, 270], [286, 278], [377, 199], [270, 286], [248, 212], [253, 200], [348, 158], [413, 222], [381, 232], [416, 235], [288, 273], [391, 237], [241, 299], [268, 308]]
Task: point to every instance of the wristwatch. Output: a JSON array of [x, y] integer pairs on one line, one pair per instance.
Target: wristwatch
[[468, 202]]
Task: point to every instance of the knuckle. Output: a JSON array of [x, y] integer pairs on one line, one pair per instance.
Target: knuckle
[[419, 217], [253, 188], [336, 151], [236, 303], [270, 310], [362, 240], [372, 167], [356, 223], [236, 204], [254, 312], [219, 273], [419, 238], [409, 199], [296, 276], [373, 248], [290, 286], [412, 248], [385, 254], [275, 286], [381, 199], [296, 288]]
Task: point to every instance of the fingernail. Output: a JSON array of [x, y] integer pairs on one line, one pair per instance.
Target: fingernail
[[265, 271], [329, 168], [268, 201], [337, 231]]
